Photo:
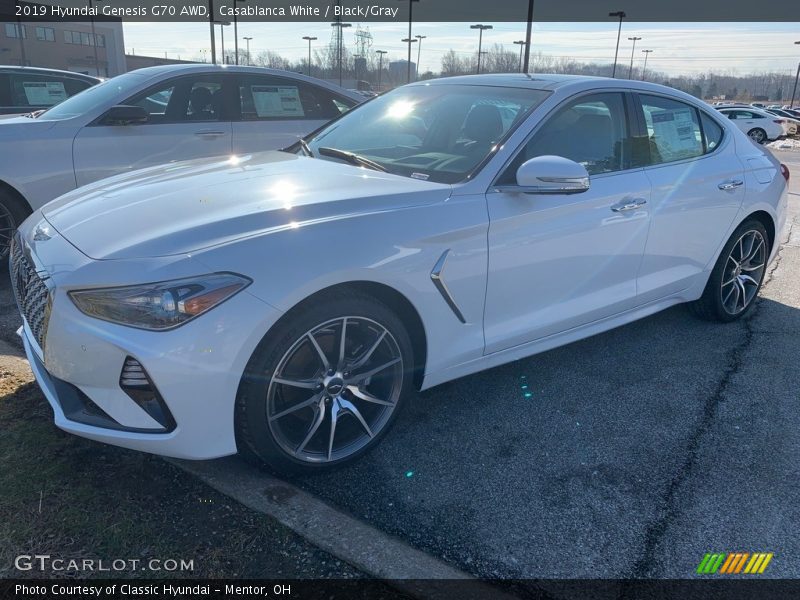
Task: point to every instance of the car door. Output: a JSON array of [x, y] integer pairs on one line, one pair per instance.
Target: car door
[[698, 187], [188, 118], [560, 261], [274, 112]]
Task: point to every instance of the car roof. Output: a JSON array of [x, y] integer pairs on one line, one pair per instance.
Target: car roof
[[566, 83], [42, 71], [188, 68]]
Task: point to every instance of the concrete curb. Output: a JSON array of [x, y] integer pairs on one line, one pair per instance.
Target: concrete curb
[[374, 552]]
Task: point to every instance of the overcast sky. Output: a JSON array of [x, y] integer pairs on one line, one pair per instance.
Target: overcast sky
[[677, 47]]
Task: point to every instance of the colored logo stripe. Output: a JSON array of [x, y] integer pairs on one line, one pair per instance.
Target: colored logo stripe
[[734, 563]]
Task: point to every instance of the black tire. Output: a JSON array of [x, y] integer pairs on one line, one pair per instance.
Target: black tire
[[711, 305], [256, 440], [13, 211], [758, 135]]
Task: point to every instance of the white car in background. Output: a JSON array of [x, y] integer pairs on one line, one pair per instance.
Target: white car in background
[[287, 304], [792, 121], [758, 124], [155, 116]]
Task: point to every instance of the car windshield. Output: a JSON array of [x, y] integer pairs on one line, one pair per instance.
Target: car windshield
[[438, 133], [92, 97]]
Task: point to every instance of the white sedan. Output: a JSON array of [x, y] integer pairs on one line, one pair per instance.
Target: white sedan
[[286, 305], [758, 124], [154, 116]]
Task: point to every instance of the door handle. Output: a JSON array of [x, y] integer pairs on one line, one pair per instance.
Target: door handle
[[628, 204], [731, 184], [210, 133]]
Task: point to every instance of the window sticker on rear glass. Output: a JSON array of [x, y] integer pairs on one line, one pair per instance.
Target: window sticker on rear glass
[[277, 101], [674, 131], [44, 93]]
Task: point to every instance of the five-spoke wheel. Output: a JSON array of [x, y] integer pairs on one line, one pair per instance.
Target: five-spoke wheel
[[328, 389], [737, 275]]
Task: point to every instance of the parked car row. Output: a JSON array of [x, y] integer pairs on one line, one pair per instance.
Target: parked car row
[[286, 305], [760, 125], [154, 116]]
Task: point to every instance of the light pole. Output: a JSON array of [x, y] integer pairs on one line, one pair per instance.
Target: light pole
[[235, 35], [634, 39], [621, 15], [380, 54], [94, 42], [341, 26], [796, 77], [521, 47], [419, 50], [409, 39], [211, 29], [247, 39], [481, 29], [222, 41], [644, 69], [310, 39], [528, 32]]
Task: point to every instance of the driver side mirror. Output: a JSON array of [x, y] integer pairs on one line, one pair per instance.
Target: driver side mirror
[[551, 175], [124, 114]]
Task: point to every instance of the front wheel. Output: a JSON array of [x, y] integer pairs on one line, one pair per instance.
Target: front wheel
[[737, 276], [325, 386], [12, 213]]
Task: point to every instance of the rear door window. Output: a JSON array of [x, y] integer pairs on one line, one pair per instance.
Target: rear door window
[[266, 97], [673, 129], [37, 91]]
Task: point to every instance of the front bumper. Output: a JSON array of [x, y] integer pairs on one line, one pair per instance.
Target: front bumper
[[196, 368]]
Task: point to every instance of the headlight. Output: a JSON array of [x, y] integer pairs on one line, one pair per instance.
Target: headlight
[[161, 305]]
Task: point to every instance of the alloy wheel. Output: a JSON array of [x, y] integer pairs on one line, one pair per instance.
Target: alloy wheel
[[743, 271], [335, 389], [8, 226], [757, 135]]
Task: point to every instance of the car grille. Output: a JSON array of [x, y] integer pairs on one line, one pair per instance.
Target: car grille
[[30, 291]]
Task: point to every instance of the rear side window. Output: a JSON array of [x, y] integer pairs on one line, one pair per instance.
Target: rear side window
[[712, 132], [276, 98], [673, 129], [43, 91]]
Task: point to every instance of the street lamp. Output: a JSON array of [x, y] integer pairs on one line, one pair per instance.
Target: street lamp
[[222, 39], [409, 41], [380, 54], [94, 41], [796, 77], [521, 47], [419, 50], [634, 39], [236, 33], [644, 69], [409, 38], [621, 15], [310, 39], [247, 39], [211, 31], [341, 26], [481, 29], [528, 32]]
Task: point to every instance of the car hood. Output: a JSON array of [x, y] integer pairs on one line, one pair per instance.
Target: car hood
[[188, 206]]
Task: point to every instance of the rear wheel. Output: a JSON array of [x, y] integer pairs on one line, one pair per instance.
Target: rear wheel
[[325, 386], [737, 276], [758, 135], [12, 213]]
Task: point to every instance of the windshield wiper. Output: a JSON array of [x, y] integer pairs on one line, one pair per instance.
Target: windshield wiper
[[352, 158], [306, 148]]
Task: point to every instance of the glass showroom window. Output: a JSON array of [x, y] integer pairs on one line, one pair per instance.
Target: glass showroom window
[[14, 30]]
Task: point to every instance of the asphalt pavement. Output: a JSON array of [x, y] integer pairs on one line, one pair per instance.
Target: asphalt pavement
[[629, 454]]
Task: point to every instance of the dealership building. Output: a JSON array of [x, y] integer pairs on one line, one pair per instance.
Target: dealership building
[[67, 46]]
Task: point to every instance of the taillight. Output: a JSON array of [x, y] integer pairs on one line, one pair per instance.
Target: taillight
[[785, 171]]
